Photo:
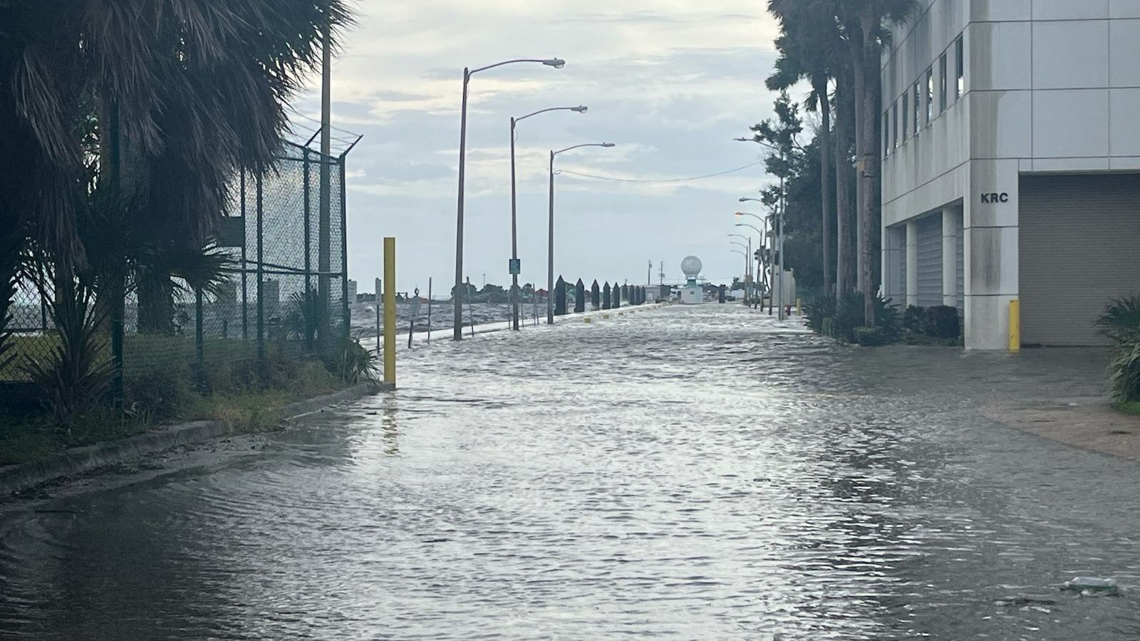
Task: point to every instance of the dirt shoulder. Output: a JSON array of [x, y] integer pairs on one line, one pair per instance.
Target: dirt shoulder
[[1089, 425]]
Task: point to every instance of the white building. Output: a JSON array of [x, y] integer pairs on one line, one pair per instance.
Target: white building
[[1012, 170], [351, 291]]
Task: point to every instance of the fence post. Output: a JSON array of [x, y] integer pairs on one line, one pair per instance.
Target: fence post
[[344, 250], [260, 265], [308, 243], [244, 264], [199, 337]]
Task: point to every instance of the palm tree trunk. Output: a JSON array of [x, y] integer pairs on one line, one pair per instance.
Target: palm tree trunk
[[825, 181], [865, 115], [844, 120]]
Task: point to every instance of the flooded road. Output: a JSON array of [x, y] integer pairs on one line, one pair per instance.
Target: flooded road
[[685, 473]]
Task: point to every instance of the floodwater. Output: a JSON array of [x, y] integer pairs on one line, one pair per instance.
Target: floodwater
[[684, 473]]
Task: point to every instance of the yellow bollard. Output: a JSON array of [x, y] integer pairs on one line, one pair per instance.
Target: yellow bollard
[[606, 316], [390, 311], [1014, 326], [799, 307], [587, 320]]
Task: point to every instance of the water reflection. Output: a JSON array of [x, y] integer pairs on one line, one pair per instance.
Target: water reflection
[[691, 474]]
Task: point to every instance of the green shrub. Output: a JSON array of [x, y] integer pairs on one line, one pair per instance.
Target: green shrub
[[848, 315], [1120, 323], [1124, 371], [351, 363], [827, 323], [914, 319], [871, 336], [942, 322], [162, 393], [851, 315], [818, 311]]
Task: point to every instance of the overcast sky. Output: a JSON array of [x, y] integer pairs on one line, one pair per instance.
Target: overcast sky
[[670, 82]]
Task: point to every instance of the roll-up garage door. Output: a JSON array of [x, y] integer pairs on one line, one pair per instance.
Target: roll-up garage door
[[930, 261], [1079, 248]]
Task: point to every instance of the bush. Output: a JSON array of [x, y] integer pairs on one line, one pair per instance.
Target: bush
[[871, 336], [850, 315], [827, 329], [1120, 323], [818, 311], [942, 322], [914, 319], [162, 393]]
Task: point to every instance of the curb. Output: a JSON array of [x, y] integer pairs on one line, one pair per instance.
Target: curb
[[80, 460]]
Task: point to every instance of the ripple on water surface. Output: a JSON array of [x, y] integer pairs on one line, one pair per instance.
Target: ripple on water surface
[[690, 473]]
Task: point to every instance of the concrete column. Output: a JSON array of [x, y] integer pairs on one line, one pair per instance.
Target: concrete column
[[991, 245], [912, 263], [893, 253], [950, 256]]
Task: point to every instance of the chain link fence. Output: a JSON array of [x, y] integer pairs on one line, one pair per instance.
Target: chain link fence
[[284, 292]]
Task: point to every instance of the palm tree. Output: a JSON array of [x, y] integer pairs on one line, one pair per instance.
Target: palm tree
[[863, 22], [810, 47], [161, 102]]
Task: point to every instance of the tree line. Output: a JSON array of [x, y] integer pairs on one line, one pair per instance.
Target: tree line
[[832, 182]]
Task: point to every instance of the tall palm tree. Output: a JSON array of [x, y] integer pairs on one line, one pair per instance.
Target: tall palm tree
[[864, 23], [175, 96], [810, 47]]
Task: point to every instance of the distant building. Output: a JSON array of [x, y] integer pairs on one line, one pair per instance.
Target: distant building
[[351, 290]]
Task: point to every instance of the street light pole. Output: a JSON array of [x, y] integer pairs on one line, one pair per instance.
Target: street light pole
[[514, 211], [550, 250], [550, 235], [749, 277], [780, 236], [458, 326], [557, 63]]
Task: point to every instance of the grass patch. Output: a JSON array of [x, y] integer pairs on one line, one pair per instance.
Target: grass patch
[[245, 395], [1129, 407]]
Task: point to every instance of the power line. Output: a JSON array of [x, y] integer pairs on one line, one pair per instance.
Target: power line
[[669, 180]]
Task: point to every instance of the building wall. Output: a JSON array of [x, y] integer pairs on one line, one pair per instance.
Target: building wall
[[1050, 86]]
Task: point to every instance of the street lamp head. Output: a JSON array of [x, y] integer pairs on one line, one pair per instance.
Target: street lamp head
[[742, 139], [557, 63], [607, 145], [580, 109], [743, 200]]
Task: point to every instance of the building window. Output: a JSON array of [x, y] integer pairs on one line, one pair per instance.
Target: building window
[[886, 132], [929, 95], [942, 79], [917, 108], [905, 108], [960, 60], [895, 125]]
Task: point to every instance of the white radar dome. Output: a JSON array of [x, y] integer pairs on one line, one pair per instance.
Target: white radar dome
[[691, 266]]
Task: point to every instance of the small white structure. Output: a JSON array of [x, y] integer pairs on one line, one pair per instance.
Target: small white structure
[[691, 293]]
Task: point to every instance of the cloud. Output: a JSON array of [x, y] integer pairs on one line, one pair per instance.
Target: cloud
[[671, 82]]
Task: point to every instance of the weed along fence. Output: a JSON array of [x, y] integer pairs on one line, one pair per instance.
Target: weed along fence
[[275, 284]]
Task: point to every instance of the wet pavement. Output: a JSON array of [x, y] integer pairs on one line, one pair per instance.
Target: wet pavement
[[686, 473]]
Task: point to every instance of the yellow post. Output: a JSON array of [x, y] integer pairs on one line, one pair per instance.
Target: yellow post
[[799, 307], [1014, 326], [390, 311]]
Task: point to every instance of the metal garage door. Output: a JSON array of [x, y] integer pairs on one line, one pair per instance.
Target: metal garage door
[[1079, 248], [930, 261]]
